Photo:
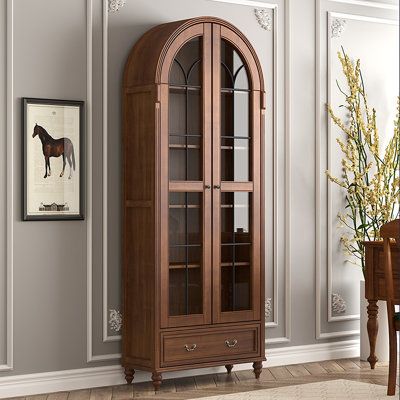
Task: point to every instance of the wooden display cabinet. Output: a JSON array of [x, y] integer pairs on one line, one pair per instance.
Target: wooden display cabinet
[[193, 115]]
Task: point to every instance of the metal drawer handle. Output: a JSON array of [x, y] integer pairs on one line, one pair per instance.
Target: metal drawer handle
[[192, 348], [233, 343]]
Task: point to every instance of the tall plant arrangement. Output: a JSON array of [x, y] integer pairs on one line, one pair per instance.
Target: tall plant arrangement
[[370, 174]]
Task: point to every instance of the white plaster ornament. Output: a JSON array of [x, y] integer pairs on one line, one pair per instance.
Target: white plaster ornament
[[115, 5], [337, 27], [268, 307], [338, 304], [263, 18], [115, 320]]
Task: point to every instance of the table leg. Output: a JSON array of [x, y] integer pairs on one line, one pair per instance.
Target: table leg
[[372, 327]]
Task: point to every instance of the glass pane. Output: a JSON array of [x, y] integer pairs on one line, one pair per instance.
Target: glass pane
[[187, 63], [185, 113], [185, 158], [235, 217], [177, 74], [235, 116], [235, 113], [233, 68], [235, 162], [185, 253], [236, 245]]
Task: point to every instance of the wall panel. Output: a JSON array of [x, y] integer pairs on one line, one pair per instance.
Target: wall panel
[[360, 28]]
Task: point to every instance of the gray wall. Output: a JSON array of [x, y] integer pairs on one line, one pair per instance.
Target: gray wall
[[58, 280]]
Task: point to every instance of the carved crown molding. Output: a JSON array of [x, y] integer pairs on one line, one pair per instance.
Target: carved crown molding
[[115, 5], [263, 18]]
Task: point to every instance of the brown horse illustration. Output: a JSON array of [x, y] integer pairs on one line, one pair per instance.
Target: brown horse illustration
[[55, 148]]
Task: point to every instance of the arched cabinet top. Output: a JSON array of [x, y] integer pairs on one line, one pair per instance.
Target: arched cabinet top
[[151, 57]]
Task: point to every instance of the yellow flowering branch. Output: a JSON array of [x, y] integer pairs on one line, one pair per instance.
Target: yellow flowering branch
[[370, 177]]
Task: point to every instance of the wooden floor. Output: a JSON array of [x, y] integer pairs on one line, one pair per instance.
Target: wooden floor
[[239, 381]]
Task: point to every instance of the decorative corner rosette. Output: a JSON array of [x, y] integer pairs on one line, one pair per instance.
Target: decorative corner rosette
[[115, 320], [263, 18], [115, 5]]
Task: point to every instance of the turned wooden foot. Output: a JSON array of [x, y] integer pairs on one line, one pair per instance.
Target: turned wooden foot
[[129, 373], [372, 327], [229, 368], [257, 367], [157, 379]]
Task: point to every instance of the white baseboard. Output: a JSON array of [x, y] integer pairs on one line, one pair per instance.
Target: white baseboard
[[312, 353], [30, 384]]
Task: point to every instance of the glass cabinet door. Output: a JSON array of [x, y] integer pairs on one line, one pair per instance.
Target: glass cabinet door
[[235, 251], [188, 273], [236, 258]]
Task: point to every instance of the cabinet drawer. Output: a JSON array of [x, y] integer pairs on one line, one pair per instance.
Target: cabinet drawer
[[202, 345]]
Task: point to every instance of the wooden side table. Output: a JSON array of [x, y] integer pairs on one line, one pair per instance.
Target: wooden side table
[[375, 287]]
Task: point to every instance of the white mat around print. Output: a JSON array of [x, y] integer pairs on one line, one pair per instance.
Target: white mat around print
[[340, 389]]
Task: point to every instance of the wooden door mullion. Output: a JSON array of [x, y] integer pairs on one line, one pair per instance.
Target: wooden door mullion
[[216, 181], [207, 173]]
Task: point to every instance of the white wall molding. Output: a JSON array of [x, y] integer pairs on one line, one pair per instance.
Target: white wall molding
[[24, 385], [10, 187], [105, 312], [275, 297], [276, 223], [331, 15], [102, 357], [373, 4], [89, 180], [365, 18], [331, 318], [250, 3], [275, 322], [288, 213]]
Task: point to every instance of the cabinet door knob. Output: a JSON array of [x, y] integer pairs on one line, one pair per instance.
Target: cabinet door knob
[[191, 348], [207, 186], [217, 187], [232, 343]]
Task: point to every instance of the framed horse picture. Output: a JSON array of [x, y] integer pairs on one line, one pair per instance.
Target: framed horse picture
[[53, 144]]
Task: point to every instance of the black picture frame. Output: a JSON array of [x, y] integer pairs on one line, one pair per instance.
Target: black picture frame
[[58, 215]]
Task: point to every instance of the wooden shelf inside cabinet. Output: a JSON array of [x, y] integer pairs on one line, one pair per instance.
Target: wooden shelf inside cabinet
[[234, 206], [184, 146], [234, 148], [235, 90], [184, 206], [184, 88], [183, 266], [237, 264]]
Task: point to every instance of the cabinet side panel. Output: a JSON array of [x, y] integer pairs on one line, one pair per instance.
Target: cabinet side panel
[[139, 233], [139, 146]]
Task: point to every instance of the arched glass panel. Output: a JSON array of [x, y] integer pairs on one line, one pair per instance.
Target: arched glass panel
[[185, 164], [185, 113], [233, 68], [235, 116], [177, 74]]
